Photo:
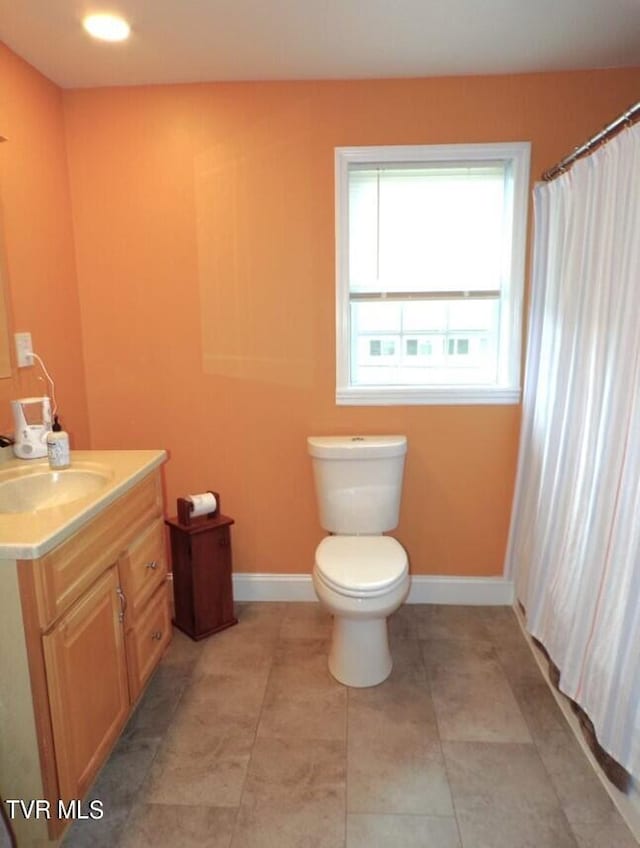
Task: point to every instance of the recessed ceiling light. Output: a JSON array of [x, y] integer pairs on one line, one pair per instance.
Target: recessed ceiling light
[[107, 27]]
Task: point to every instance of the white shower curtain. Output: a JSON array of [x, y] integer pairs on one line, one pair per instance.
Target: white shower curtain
[[574, 546]]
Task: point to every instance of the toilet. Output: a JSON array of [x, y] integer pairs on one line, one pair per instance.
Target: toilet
[[359, 575]]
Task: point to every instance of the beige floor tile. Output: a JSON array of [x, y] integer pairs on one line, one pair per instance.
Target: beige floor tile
[[444, 657], [303, 660], [403, 623], [246, 691], [611, 832], [302, 700], [248, 644], [518, 827], [306, 621], [5, 835], [408, 665], [230, 709], [483, 773], [452, 622], [503, 797], [395, 708], [294, 795], [183, 651], [290, 825], [501, 624], [100, 833], [169, 826], [125, 771], [518, 662], [539, 707], [397, 776], [260, 614], [158, 704], [237, 652], [478, 708], [197, 767], [122, 780], [583, 797], [378, 831], [296, 771], [298, 710]]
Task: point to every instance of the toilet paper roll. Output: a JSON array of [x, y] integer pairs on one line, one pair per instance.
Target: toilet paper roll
[[202, 504]]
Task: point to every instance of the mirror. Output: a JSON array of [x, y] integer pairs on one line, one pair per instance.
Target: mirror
[[5, 358]]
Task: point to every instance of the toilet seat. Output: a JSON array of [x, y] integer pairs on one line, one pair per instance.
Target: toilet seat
[[361, 566]]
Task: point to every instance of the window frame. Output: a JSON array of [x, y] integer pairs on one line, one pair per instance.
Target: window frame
[[507, 389]]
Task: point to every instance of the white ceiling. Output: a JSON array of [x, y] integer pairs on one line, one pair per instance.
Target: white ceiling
[[197, 40]]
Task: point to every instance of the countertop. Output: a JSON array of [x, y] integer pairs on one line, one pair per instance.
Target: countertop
[[29, 535]]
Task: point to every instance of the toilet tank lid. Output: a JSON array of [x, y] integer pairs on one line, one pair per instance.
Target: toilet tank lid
[[356, 447]]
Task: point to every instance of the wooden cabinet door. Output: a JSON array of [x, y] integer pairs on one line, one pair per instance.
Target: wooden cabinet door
[[87, 681]]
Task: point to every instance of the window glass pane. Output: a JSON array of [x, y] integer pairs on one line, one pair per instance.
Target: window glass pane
[[424, 315], [377, 317], [471, 314], [391, 347]]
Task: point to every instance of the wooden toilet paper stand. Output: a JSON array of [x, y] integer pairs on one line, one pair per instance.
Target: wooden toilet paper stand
[[202, 584]]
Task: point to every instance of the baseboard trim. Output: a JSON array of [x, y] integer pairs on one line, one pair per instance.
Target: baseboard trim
[[472, 591], [273, 587], [425, 589]]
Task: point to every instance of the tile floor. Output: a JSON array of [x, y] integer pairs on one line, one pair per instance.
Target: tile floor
[[245, 741]]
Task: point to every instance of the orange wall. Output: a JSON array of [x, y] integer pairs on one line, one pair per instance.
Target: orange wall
[[37, 258], [203, 219]]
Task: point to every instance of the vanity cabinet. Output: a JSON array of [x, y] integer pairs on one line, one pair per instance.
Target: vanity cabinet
[[96, 613]]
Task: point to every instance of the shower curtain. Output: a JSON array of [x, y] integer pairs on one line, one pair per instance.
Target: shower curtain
[[574, 545]]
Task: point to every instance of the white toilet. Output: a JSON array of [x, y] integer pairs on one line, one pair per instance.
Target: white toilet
[[359, 575]]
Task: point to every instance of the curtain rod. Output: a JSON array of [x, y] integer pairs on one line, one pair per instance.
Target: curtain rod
[[622, 122]]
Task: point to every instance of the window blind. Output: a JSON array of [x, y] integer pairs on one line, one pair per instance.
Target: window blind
[[435, 231]]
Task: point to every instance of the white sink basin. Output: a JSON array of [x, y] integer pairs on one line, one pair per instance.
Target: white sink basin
[[42, 489]]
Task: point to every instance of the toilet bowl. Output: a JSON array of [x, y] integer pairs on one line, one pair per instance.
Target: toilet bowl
[[360, 575], [360, 580]]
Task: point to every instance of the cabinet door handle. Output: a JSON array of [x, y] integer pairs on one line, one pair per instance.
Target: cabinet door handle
[[123, 603], [157, 635], [153, 564]]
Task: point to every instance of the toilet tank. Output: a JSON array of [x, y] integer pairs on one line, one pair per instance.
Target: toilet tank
[[358, 482]]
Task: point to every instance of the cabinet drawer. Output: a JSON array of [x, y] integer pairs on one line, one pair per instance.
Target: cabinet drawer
[[143, 569], [147, 640]]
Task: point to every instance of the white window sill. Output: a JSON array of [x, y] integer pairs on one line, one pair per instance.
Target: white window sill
[[441, 396]]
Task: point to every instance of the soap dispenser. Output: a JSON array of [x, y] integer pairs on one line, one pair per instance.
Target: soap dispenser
[[58, 446]]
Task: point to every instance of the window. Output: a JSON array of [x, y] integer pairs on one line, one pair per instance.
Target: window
[[430, 267]]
